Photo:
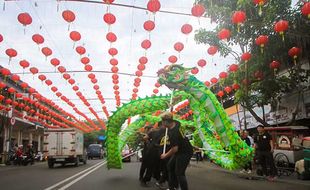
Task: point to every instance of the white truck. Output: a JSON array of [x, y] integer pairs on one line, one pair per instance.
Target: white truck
[[63, 146]]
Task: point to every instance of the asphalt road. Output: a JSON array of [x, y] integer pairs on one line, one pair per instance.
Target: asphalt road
[[200, 176]]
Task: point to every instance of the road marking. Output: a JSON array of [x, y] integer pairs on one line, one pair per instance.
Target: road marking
[[81, 177], [69, 178]]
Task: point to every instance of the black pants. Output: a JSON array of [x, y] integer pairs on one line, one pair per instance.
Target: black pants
[[266, 158], [248, 166], [163, 170], [176, 171], [149, 164]]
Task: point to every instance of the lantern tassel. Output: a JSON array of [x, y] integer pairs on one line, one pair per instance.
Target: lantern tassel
[[282, 36], [295, 62], [260, 11], [238, 28], [262, 50]]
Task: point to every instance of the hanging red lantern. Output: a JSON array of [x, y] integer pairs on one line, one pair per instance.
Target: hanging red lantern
[[1, 38], [139, 73], [153, 6], [58, 94], [220, 94], [259, 75], [113, 51], [15, 77], [85, 60], [157, 84], [48, 82], [11, 90], [88, 68], [172, 59], [115, 76], [54, 89], [115, 81], [94, 81], [135, 90], [246, 57], [96, 87], [280, 27], [212, 50], [213, 80], [223, 34], [198, 10], [275, 65], [8, 101], [75, 36], [136, 84], [233, 67], [207, 83], [55, 62], [227, 89], [155, 91], [186, 29], [201, 63], [31, 90], [141, 67], [2, 85], [66, 76], [34, 70], [113, 61], [294, 52], [261, 40], [146, 44], [111, 37], [143, 60], [137, 80], [42, 77], [24, 64], [24, 18], [80, 50], [223, 75], [71, 81], [11, 53], [109, 18], [5, 72], [61, 69], [235, 86], [24, 85], [46, 51], [305, 9], [260, 3], [115, 87], [194, 70], [108, 1], [68, 16], [114, 69], [91, 76], [178, 46], [238, 18], [149, 25], [75, 88], [38, 39]]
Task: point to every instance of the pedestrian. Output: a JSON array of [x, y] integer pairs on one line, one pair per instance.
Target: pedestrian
[[248, 167], [180, 153], [144, 162], [264, 149]]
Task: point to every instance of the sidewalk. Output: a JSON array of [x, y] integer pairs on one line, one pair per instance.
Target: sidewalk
[[292, 179]]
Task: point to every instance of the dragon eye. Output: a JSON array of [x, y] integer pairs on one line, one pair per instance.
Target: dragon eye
[[174, 68]]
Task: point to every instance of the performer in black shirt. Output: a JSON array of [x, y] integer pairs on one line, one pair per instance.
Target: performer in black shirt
[[180, 153]]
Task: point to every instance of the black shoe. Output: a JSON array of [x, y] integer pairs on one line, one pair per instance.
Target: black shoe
[[144, 184]]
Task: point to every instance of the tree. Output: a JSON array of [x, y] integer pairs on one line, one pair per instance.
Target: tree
[[260, 85]]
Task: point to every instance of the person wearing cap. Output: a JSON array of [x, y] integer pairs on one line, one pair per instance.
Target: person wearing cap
[[180, 153]]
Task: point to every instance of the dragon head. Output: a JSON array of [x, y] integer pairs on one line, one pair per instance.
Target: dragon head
[[173, 76]]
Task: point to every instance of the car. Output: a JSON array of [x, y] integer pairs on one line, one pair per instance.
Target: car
[[95, 151]]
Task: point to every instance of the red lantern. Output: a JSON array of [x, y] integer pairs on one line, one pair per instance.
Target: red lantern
[[113, 61], [91, 76], [238, 18], [137, 80], [88, 68], [157, 85], [280, 27], [194, 70], [109, 18], [186, 29], [8, 101], [262, 40], [5, 72], [1, 38], [115, 87], [141, 67], [143, 60], [11, 90], [113, 51], [212, 50], [24, 18], [260, 3], [96, 87], [115, 81], [149, 25], [48, 82], [46, 51], [207, 83], [114, 69], [246, 57], [223, 34], [294, 52], [94, 81], [227, 89], [34, 70], [15, 78], [155, 91], [55, 62], [146, 44], [259, 75], [54, 89], [42, 77], [85, 60], [11, 53], [111, 37], [58, 94], [172, 59], [275, 65], [61, 69], [80, 50], [75, 36], [31, 90], [68, 15], [108, 1], [75, 88], [135, 90], [220, 94], [38, 39], [2, 85], [153, 6], [198, 10], [24, 85], [235, 86], [223, 75], [178, 46], [139, 73], [213, 80], [201, 63], [305, 10], [233, 68], [66, 76]]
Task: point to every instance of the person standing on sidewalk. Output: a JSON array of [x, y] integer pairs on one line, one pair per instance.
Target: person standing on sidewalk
[[245, 137], [180, 153], [264, 148]]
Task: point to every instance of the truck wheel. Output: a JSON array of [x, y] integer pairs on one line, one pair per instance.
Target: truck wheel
[[84, 161], [50, 164]]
